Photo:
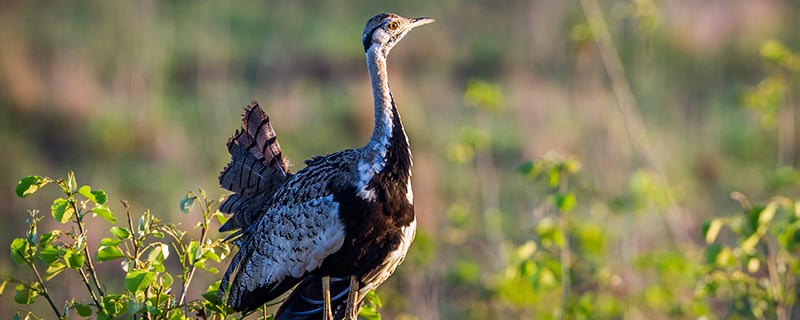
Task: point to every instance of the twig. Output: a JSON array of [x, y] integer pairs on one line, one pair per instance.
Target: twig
[[91, 292], [146, 309], [204, 231], [133, 238], [44, 291], [89, 263]]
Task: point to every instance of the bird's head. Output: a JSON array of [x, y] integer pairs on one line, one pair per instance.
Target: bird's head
[[386, 29]]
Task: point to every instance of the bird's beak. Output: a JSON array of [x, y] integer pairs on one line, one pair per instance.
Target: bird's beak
[[416, 22]]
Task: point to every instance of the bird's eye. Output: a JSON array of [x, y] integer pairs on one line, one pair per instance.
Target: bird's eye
[[393, 25]]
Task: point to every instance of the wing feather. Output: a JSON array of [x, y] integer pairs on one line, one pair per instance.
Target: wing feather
[[287, 243]]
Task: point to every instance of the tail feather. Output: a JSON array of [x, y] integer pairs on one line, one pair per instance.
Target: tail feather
[[256, 171]]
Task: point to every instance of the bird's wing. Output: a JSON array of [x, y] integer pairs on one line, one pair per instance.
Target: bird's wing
[[287, 243], [256, 170]]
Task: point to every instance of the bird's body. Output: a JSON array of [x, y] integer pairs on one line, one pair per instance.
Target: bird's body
[[346, 214]]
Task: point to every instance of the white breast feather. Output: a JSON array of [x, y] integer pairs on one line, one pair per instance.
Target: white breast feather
[[376, 277], [409, 192]]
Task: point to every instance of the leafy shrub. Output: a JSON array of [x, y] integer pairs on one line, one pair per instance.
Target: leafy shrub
[[753, 259], [142, 248]]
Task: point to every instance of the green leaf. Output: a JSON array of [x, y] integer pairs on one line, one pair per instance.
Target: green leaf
[[53, 270], [82, 309], [62, 210], [711, 230], [137, 280], [712, 252], [526, 168], [107, 253], [192, 251], [166, 280], [71, 182], [96, 196], [48, 238], [74, 259], [187, 202], [25, 295], [119, 232], [104, 213], [210, 254], [158, 253], [3, 286], [113, 304], [109, 242], [565, 202], [221, 218], [369, 310], [49, 254], [21, 251], [373, 298], [211, 293], [30, 184]]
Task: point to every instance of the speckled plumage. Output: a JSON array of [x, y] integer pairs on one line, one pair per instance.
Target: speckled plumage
[[345, 214]]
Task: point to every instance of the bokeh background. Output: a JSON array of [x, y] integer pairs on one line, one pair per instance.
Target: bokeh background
[[665, 107]]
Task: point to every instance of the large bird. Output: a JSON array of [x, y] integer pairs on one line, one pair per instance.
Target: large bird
[[335, 229]]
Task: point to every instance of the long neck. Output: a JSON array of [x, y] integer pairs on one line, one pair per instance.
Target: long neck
[[382, 96], [387, 153]]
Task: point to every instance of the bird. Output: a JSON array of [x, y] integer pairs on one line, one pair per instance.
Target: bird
[[334, 230]]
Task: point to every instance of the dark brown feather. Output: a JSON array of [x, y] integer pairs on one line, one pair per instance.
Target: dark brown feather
[[256, 170]]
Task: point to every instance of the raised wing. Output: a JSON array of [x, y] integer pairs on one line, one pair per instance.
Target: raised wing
[[287, 243], [256, 171]]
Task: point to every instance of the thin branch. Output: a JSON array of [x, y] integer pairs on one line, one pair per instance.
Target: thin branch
[[89, 264], [133, 238], [44, 291], [91, 292], [204, 231]]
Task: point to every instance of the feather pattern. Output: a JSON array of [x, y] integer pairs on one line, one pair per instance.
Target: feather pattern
[[299, 229], [256, 170]]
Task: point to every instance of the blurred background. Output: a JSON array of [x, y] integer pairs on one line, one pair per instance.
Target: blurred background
[[613, 128]]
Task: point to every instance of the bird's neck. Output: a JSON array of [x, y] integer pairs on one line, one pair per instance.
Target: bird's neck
[[382, 97], [386, 155]]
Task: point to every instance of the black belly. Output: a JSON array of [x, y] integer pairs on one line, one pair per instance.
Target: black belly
[[373, 228]]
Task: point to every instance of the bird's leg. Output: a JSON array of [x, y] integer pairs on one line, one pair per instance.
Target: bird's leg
[[326, 298], [352, 300]]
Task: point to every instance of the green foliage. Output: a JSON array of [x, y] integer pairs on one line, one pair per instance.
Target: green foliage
[[752, 260], [144, 253], [143, 249], [371, 307], [484, 94]]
